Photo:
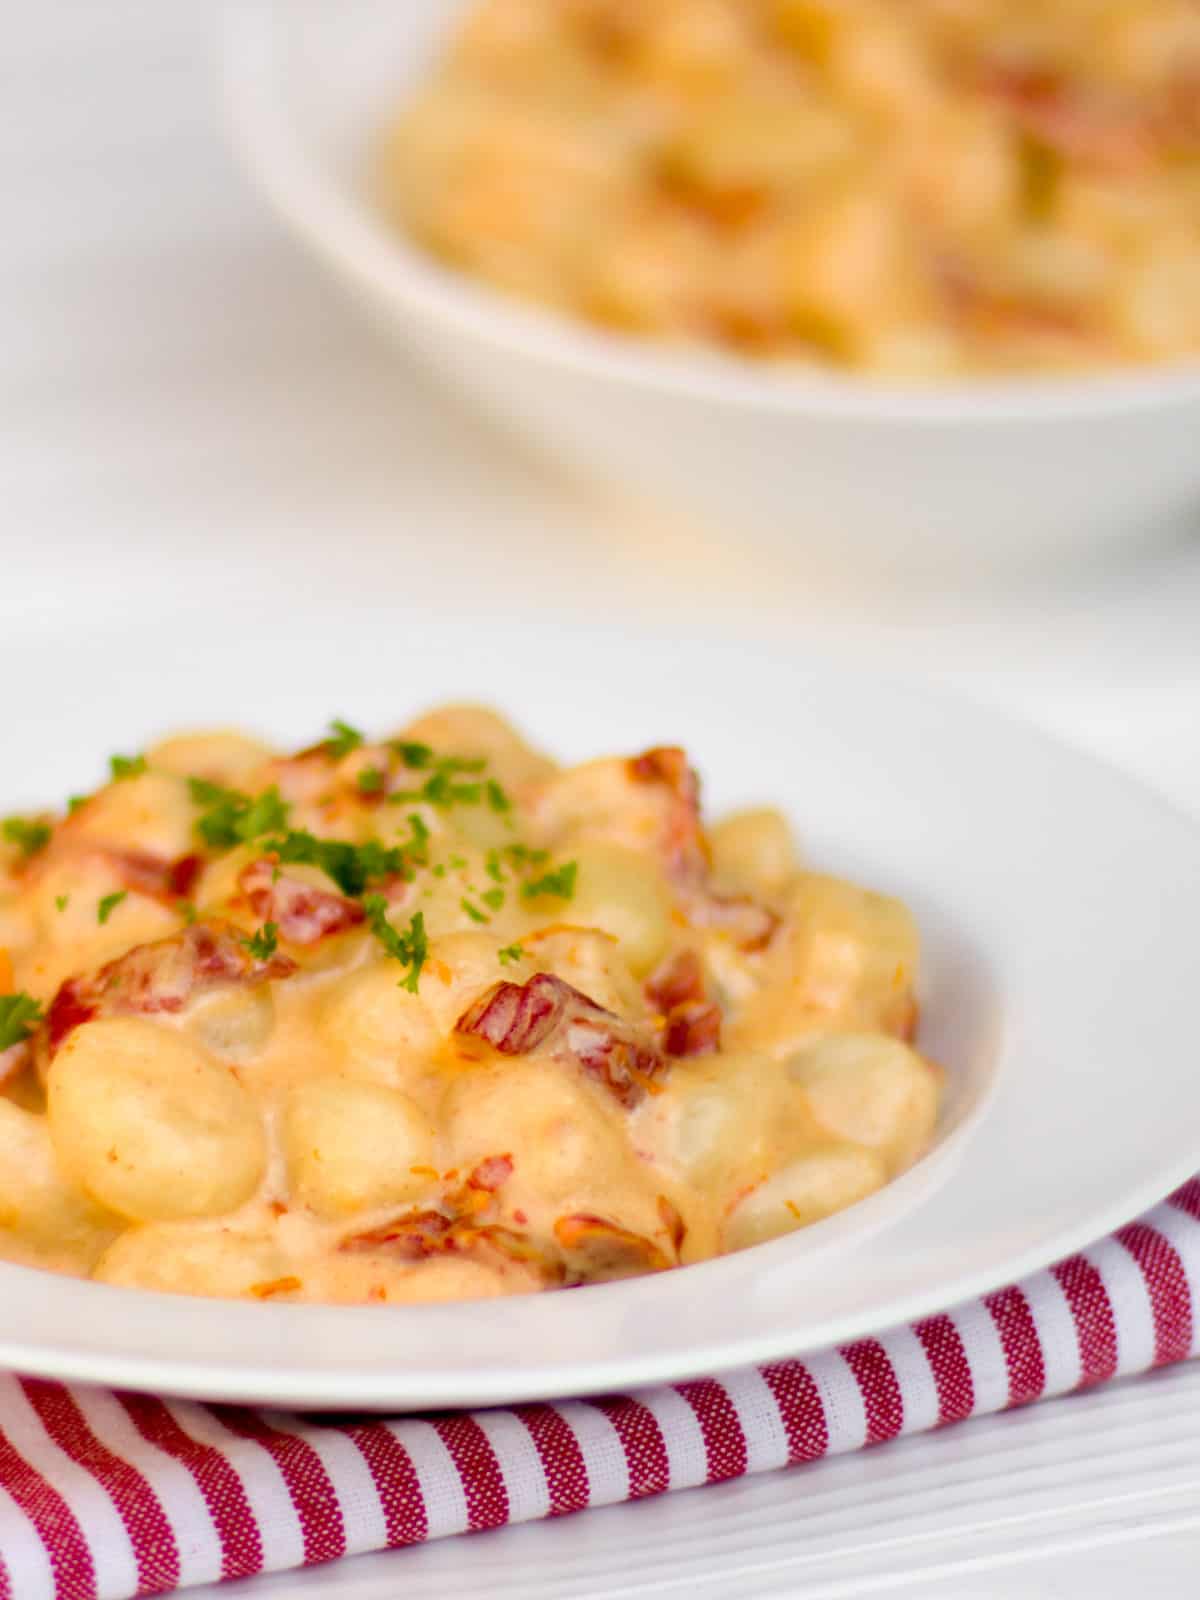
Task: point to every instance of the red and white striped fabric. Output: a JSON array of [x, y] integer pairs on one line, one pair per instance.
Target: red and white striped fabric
[[107, 1496]]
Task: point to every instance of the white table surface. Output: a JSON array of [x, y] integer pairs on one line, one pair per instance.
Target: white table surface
[[192, 418]]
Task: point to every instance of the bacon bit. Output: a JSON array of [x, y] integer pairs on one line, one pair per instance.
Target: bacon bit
[[517, 1017], [546, 1011], [672, 1222], [302, 914], [693, 1029], [747, 922], [683, 841], [679, 979], [159, 977], [607, 1250], [413, 1238], [492, 1173], [519, 1216], [691, 1023]]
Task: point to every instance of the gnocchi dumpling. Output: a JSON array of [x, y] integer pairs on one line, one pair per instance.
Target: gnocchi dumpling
[[44, 1218], [354, 1147], [810, 1187], [151, 1125], [176, 1259], [871, 1090]]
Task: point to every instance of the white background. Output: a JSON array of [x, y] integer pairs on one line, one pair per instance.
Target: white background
[[193, 424]]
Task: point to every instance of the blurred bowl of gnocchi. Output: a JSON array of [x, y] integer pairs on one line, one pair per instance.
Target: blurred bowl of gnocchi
[[898, 287], [392, 1021]]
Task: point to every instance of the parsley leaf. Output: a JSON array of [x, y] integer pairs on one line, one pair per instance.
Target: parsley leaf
[[345, 738], [232, 818], [493, 898], [19, 1015], [413, 755], [472, 911], [109, 904], [509, 953], [410, 948], [351, 866], [126, 767], [440, 789], [560, 882], [497, 798], [75, 801], [29, 834], [370, 780], [60, 901], [263, 944]]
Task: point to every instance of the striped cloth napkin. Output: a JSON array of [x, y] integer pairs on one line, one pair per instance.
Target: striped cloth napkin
[[107, 1496]]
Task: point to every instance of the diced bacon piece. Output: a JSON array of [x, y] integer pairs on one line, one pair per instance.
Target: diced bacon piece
[[691, 1022], [546, 1012], [160, 977], [145, 873], [601, 1249], [515, 1018], [749, 923], [678, 980], [412, 1238], [683, 843], [302, 913], [491, 1174], [693, 1029]]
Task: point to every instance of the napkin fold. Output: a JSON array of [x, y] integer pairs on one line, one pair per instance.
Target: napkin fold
[[108, 1496]]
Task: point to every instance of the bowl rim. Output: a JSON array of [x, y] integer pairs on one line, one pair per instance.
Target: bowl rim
[[340, 223]]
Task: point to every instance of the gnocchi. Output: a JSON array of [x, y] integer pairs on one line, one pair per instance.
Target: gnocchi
[[905, 188], [429, 1017]]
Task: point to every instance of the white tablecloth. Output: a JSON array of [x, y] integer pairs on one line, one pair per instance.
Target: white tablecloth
[[191, 417]]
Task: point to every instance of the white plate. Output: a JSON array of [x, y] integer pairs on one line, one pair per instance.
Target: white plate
[[1057, 897]]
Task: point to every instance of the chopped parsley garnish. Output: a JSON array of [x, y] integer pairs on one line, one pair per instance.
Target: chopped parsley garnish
[[263, 944], [560, 882], [109, 904], [345, 738], [231, 818], [75, 801], [29, 834], [440, 789], [509, 953], [371, 780], [351, 866], [493, 898], [416, 756], [126, 767], [492, 866], [472, 911], [410, 948], [497, 798], [61, 901], [19, 1016], [522, 856]]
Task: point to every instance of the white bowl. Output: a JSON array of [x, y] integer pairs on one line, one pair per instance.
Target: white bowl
[[906, 478]]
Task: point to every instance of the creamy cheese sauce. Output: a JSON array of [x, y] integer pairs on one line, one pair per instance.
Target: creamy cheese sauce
[[432, 1018]]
